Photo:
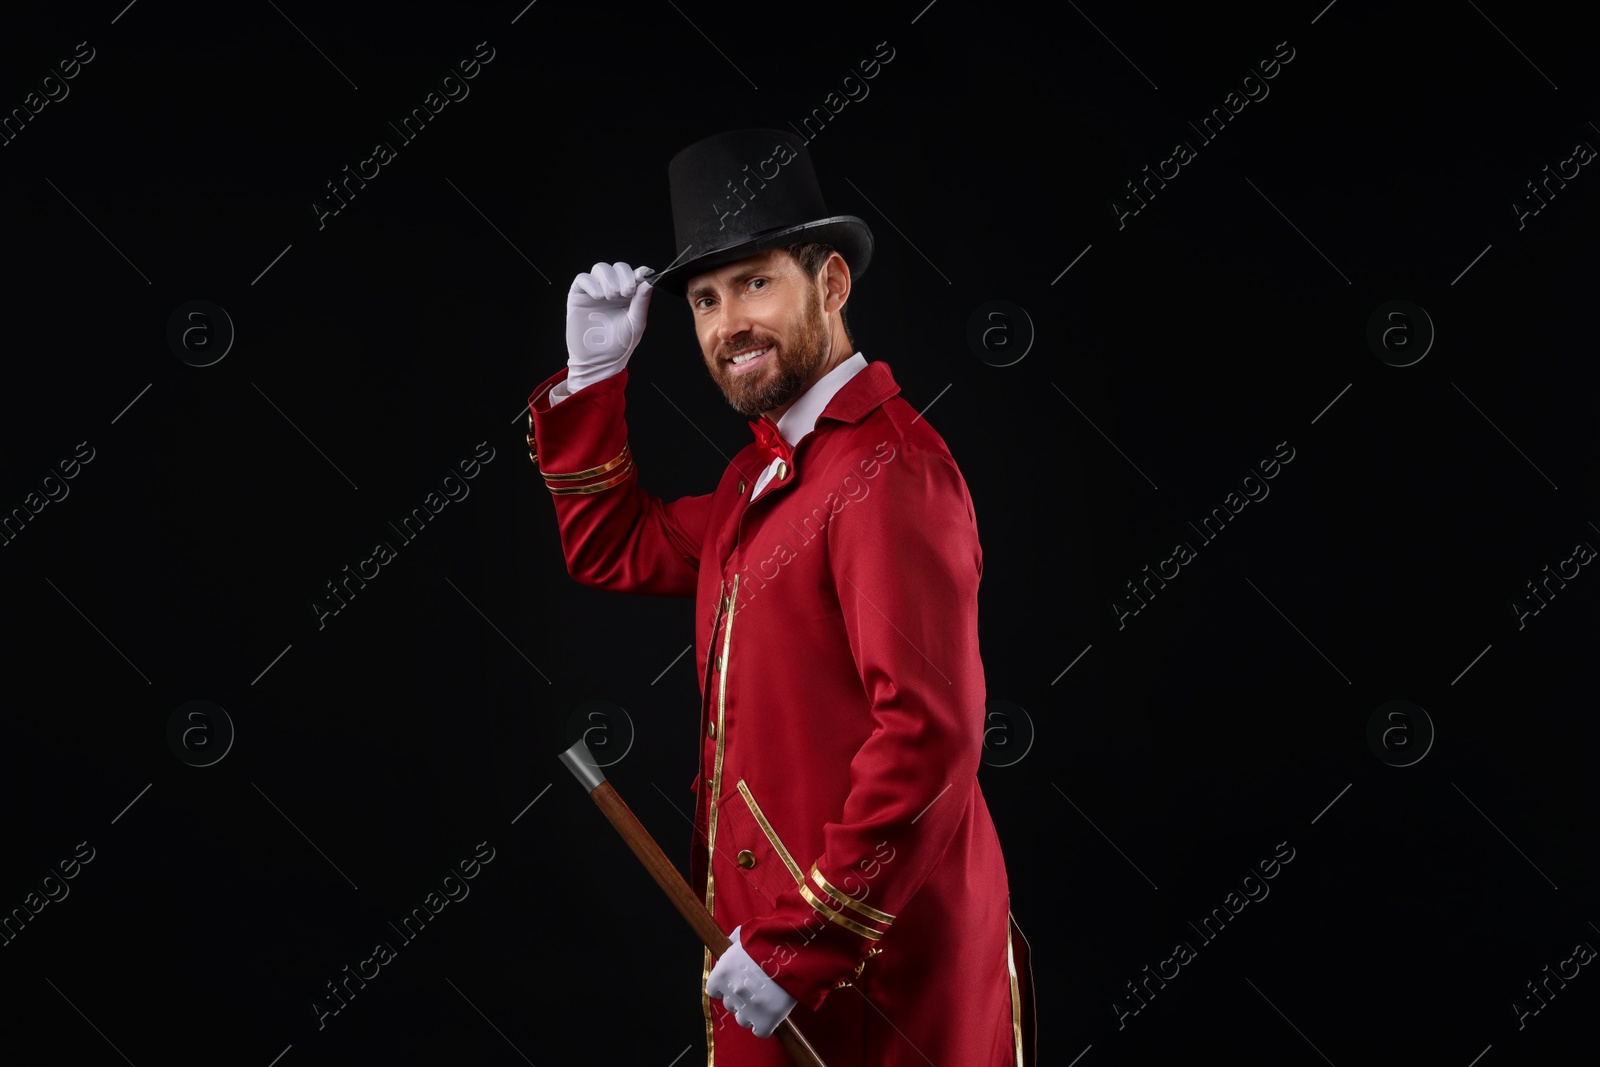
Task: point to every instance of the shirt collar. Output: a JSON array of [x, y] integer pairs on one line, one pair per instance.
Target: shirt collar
[[801, 418]]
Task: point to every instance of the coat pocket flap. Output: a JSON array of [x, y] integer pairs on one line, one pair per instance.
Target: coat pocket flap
[[749, 849]]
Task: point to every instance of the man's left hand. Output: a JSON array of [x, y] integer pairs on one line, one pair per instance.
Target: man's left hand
[[755, 1000]]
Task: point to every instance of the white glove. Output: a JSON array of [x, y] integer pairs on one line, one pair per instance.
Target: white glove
[[605, 319], [755, 1000]]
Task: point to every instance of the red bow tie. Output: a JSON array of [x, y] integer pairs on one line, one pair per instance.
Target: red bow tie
[[773, 446]]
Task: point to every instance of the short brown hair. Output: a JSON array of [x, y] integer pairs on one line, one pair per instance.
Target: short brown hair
[[811, 256]]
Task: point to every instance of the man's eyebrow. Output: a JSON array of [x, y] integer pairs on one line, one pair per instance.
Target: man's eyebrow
[[737, 279]]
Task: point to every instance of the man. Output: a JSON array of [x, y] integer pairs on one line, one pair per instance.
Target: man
[[841, 836]]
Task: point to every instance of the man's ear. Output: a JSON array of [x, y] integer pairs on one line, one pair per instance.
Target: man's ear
[[836, 283]]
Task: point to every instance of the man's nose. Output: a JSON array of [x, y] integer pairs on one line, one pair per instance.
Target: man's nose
[[731, 323]]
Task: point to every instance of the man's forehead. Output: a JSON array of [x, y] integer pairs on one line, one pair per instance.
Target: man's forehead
[[730, 273]]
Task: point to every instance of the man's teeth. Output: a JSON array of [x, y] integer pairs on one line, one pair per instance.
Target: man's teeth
[[748, 356]]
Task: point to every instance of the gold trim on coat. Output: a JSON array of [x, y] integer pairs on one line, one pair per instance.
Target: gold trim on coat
[[850, 902], [610, 464], [594, 487], [716, 792], [766, 828], [1016, 995], [722, 733], [838, 917], [705, 1002]]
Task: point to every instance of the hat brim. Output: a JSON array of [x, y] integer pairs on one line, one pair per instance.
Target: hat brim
[[847, 233]]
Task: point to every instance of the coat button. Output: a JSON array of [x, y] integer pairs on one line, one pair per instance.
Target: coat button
[[783, 470], [741, 487], [711, 728], [747, 859], [719, 663]]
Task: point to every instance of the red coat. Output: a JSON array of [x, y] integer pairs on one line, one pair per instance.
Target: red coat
[[842, 720]]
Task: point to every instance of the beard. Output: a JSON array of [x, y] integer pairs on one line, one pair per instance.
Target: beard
[[789, 372]]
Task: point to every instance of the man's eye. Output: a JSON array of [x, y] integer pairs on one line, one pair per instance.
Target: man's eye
[[758, 281]]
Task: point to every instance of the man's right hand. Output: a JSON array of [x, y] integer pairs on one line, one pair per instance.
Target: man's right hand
[[605, 319]]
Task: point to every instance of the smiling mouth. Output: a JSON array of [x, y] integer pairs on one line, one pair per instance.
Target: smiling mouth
[[744, 359]]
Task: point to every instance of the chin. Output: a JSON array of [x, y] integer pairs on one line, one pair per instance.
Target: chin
[[749, 407], [753, 406]]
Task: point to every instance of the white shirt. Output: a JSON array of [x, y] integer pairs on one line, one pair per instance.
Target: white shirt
[[794, 424]]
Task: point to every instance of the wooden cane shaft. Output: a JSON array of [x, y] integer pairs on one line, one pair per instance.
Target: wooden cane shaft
[[796, 1045], [689, 906], [661, 868]]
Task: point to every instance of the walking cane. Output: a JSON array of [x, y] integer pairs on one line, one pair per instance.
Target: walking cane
[[583, 767]]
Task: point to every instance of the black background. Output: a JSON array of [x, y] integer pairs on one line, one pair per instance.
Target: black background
[[375, 751]]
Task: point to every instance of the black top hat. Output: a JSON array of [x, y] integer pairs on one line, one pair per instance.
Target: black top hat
[[743, 192]]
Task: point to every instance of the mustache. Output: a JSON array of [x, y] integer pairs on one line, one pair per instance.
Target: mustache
[[744, 343]]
